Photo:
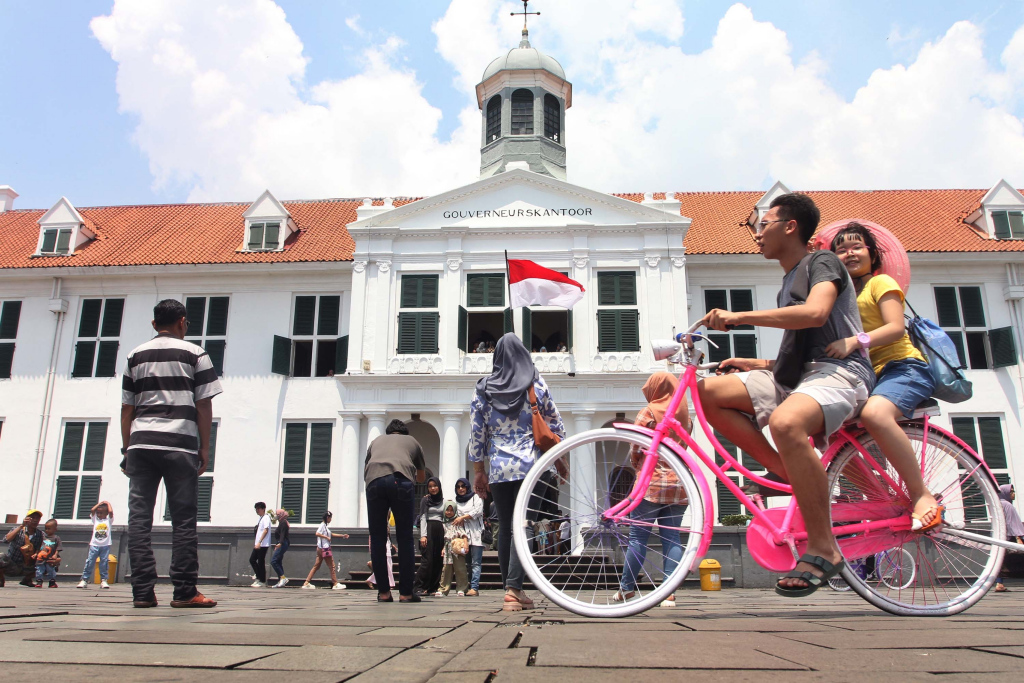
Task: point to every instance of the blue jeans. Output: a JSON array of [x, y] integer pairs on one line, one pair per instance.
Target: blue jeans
[[275, 560], [476, 560], [45, 572], [671, 545], [101, 552]]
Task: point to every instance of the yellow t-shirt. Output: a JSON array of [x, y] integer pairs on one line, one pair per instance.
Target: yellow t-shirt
[[871, 319]]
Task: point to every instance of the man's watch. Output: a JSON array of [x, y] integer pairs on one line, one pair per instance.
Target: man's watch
[[864, 340], [124, 451]]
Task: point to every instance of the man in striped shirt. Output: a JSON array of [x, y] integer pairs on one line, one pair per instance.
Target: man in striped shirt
[[166, 414]]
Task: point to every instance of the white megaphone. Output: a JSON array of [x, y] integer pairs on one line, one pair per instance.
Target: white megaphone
[[665, 348]]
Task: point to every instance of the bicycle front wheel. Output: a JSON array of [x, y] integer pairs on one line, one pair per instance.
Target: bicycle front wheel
[[930, 574], [587, 564]]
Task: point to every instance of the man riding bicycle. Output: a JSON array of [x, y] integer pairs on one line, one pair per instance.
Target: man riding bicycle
[[803, 392]]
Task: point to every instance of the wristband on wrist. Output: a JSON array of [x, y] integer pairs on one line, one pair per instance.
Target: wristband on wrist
[[864, 340]]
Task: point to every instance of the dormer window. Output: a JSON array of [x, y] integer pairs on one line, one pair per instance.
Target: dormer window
[[268, 225], [62, 230], [56, 241], [264, 237], [1008, 225], [1000, 214]]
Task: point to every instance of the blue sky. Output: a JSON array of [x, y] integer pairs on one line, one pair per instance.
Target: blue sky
[[70, 132]]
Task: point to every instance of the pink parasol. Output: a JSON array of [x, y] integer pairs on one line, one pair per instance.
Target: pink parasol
[[895, 263]]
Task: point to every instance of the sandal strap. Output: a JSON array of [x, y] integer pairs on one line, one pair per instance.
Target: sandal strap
[[818, 561]]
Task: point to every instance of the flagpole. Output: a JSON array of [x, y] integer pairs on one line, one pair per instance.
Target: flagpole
[[508, 279]]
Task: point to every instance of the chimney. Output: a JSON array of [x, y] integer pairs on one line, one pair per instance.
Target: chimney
[[7, 197]]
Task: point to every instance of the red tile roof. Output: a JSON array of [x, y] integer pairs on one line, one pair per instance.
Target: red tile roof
[[924, 220]]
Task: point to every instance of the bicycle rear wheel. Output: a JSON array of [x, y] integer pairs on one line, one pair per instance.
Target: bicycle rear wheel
[[584, 572], [949, 574]]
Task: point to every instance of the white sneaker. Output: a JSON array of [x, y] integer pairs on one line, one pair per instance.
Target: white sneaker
[[281, 583], [339, 587], [103, 584], [462, 594], [438, 594], [308, 586], [258, 584], [82, 584], [668, 603], [620, 597]]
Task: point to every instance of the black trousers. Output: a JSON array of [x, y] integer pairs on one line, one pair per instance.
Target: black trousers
[[179, 471], [258, 562], [394, 493], [428, 578], [504, 494]]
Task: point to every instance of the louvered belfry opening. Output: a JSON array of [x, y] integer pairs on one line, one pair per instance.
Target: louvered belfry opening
[[493, 131], [552, 118], [522, 112]]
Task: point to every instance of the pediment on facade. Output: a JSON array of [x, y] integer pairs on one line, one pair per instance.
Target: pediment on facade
[[518, 199], [1002, 194], [266, 206], [61, 213]]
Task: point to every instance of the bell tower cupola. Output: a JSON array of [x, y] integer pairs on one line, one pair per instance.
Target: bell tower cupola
[[522, 97]]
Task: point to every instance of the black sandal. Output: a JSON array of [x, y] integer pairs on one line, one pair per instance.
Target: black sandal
[[814, 582]]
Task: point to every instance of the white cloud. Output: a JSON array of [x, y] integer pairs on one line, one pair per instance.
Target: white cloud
[[228, 114]]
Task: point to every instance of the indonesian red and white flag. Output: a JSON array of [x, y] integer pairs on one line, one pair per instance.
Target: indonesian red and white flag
[[533, 285]]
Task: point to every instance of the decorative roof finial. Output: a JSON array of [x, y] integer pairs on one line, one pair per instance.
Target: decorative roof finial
[[525, 42]]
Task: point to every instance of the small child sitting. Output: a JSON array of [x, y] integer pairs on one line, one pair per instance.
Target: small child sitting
[[456, 546], [48, 557]]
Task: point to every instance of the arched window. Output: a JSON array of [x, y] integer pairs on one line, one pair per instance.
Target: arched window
[[493, 119], [522, 112], [552, 117]]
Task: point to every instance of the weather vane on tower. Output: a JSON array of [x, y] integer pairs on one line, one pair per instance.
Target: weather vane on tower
[[525, 14]]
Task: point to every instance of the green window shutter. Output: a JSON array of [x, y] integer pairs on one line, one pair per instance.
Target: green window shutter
[[957, 337], [630, 325], [195, 313], [255, 236], [305, 310], [727, 503], [71, 449], [1002, 225], [745, 345], [569, 329], [295, 448], [106, 359], [729, 447], [330, 309], [320, 447], [215, 350], [205, 498], [741, 300], [113, 311], [217, 321], [88, 495], [1017, 225], [9, 317], [715, 298], [463, 341], [992, 449], [272, 236], [341, 355], [214, 427], [963, 429], [946, 306], [428, 291], [430, 324], [723, 351], [85, 352], [95, 444], [291, 497], [509, 325], [977, 350], [528, 328], [64, 497], [1004, 350], [616, 289], [410, 297], [607, 331], [89, 325], [49, 242], [63, 241], [408, 337], [974, 311], [485, 290], [6, 360], [317, 494], [280, 363]]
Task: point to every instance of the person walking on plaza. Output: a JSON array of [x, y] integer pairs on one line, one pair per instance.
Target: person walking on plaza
[[393, 462], [166, 416], [501, 417], [325, 554], [258, 557], [25, 541], [48, 557], [456, 548], [102, 517], [470, 510], [428, 578], [1014, 528], [281, 545]]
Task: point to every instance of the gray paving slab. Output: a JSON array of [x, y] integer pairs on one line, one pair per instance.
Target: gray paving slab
[[552, 674], [912, 638], [325, 658], [339, 621], [459, 639], [494, 661], [218, 656], [150, 674], [500, 637], [1010, 650], [411, 666], [463, 677], [268, 638], [418, 631]]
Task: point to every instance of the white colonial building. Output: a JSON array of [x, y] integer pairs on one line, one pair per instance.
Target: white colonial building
[[327, 318]]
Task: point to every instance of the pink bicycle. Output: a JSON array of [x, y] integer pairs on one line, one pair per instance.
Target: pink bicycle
[[956, 563]]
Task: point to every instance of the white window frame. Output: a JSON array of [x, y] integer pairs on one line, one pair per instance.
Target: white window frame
[[71, 229], [733, 333], [80, 472], [963, 329], [305, 476], [435, 309], [596, 279], [474, 309], [203, 337], [315, 338], [99, 338], [282, 233]]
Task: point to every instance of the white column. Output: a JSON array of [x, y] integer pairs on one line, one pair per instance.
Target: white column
[[350, 475], [582, 482], [451, 450], [375, 427]]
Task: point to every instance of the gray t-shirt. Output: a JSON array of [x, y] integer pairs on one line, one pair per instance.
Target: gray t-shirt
[[843, 321], [393, 453]]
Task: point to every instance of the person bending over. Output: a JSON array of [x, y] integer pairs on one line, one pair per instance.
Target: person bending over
[[803, 392]]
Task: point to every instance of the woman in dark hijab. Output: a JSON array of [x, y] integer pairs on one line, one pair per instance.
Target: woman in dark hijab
[[428, 578], [470, 509], [502, 432], [1014, 528]]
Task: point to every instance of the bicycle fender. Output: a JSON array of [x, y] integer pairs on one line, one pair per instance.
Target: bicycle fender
[[698, 475]]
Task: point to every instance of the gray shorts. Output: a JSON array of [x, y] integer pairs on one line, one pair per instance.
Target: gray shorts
[[839, 392]]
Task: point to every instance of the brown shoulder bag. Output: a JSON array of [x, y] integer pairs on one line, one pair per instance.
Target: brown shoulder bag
[[542, 434]]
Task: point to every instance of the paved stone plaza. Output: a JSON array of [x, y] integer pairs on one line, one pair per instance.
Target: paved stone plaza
[[300, 636]]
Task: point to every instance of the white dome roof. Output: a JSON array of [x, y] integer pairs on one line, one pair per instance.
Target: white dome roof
[[524, 58]]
